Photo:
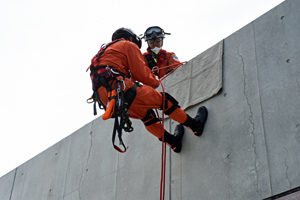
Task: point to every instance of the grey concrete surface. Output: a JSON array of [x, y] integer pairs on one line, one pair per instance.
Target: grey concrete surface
[[7, 184], [249, 149]]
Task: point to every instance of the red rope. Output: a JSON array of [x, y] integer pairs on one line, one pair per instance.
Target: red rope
[[163, 156], [177, 66]]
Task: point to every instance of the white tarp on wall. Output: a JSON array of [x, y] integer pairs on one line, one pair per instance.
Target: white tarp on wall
[[197, 80]]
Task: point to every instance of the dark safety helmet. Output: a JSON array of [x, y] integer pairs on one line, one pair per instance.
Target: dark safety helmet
[[154, 32], [126, 33]]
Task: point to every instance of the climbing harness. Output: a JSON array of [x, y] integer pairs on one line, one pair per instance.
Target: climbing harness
[[118, 100], [154, 64]]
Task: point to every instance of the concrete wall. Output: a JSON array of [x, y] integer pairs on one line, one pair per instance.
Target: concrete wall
[[249, 149]]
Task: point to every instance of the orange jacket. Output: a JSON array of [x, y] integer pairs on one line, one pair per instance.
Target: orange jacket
[[125, 56], [171, 59]]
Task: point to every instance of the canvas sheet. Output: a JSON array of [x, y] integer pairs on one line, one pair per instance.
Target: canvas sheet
[[197, 80]]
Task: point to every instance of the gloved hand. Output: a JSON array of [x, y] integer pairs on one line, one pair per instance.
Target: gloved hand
[[158, 82]]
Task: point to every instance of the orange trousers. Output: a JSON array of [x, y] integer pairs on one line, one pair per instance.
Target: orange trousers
[[147, 98]]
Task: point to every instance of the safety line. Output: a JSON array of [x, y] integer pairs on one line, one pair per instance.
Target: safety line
[[163, 156], [179, 65]]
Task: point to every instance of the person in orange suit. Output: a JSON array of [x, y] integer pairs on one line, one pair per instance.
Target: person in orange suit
[[124, 58], [156, 57]]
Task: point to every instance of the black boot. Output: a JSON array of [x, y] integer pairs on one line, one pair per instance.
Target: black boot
[[178, 135], [197, 124], [174, 141]]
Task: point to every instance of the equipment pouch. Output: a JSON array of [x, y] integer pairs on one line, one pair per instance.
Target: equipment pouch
[[111, 106]]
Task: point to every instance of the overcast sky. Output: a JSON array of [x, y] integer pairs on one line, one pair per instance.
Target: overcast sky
[[46, 46]]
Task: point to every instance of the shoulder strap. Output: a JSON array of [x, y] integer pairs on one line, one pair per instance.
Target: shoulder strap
[[150, 60], [103, 48], [101, 51]]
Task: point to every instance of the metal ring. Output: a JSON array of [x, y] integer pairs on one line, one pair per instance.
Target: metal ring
[[155, 67]]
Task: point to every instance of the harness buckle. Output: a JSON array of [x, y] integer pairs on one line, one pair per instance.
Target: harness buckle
[[103, 46], [108, 69]]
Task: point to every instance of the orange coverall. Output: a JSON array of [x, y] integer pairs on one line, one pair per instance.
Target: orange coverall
[[125, 56], [171, 59]]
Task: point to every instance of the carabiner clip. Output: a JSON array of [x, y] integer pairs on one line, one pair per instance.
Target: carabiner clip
[[155, 70], [124, 86], [114, 71], [89, 100], [120, 87]]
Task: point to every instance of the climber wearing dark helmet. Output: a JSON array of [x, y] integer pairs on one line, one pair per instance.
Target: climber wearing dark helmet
[[124, 59]]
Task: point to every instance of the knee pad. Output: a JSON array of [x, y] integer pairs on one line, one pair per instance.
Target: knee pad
[[175, 105], [150, 118]]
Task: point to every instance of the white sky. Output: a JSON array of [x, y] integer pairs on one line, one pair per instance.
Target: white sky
[[46, 46]]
